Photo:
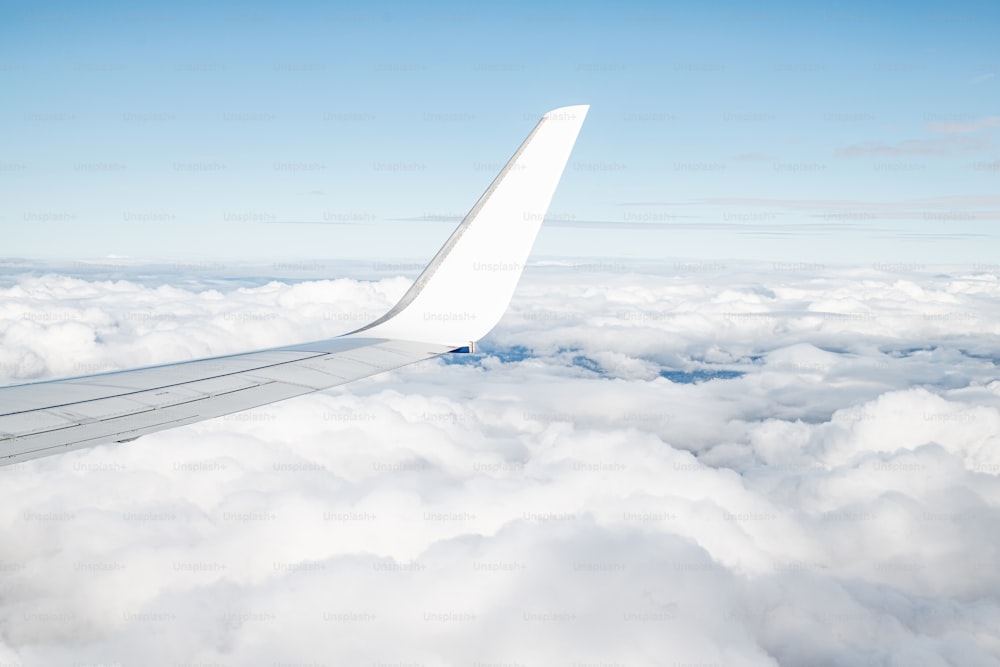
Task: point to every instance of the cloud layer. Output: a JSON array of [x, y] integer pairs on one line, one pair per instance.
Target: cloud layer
[[694, 464]]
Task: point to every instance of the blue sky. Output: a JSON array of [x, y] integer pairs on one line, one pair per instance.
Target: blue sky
[[844, 134]]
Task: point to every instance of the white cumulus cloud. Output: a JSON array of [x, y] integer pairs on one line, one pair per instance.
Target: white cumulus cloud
[[742, 466]]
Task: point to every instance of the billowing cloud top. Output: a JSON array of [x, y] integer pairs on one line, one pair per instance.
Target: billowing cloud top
[[684, 464]]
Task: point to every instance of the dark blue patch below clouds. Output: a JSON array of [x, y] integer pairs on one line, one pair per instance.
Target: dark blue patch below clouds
[[517, 353], [701, 375]]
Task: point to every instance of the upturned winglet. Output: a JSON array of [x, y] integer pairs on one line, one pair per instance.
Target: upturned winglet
[[466, 288]]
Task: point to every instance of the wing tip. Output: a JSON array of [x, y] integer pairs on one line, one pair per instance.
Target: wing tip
[[571, 112]]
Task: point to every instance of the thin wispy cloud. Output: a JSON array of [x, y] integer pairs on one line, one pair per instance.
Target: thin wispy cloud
[[843, 214], [940, 147], [959, 137], [964, 128], [806, 204]]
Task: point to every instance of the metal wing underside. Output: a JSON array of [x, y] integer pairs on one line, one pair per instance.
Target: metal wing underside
[[50, 417]]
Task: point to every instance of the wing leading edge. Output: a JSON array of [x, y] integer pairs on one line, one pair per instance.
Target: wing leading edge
[[457, 299]]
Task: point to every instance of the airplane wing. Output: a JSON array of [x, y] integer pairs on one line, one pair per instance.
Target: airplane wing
[[457, 299]]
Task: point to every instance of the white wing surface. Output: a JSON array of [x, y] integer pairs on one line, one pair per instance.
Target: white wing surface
[[457, 299]]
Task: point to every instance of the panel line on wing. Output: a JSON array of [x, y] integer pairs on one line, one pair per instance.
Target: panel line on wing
[[166, 386]]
